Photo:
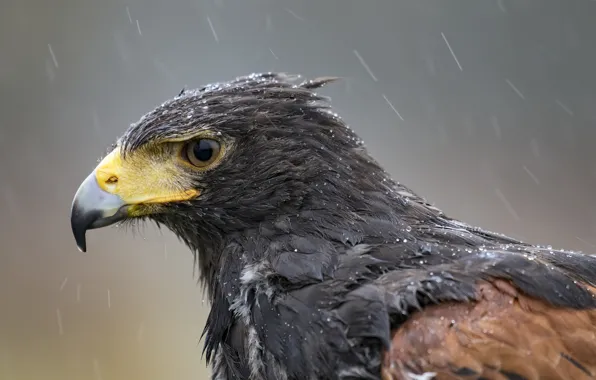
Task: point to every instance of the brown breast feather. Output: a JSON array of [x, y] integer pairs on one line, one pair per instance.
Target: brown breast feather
[[504, 335]]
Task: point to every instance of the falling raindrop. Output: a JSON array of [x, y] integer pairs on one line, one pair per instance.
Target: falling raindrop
[[212, 29], [63, 284], [294, 14], [508, 205], [564, 107], [518, 92], [392, 107], [366, 67], [96, 370], [128, 13], [59, 320], [53, 56], [534, 178], [452, 52]]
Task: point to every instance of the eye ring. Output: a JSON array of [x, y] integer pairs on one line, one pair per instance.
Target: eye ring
[[201, 152]]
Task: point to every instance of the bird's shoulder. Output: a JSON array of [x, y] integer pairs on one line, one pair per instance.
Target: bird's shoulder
[[495, 311], [320, 307], [449, 272], [380, 298], [501, 334]]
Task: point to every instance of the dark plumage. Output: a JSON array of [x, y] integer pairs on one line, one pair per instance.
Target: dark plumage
[[319, 266]]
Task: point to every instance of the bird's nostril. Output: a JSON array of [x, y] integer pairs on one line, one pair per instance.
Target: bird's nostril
[[107, 180]]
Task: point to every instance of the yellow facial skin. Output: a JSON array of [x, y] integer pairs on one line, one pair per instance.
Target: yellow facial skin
[[148, 176], [139, 183]]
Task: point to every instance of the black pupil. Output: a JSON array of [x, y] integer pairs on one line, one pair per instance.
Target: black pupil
[[203, 150]]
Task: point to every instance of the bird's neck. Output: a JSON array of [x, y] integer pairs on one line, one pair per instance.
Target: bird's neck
[[317, 214], [293, 249], [296, 247]]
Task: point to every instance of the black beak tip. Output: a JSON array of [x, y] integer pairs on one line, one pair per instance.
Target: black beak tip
[[79, 232], [82, 244], [80, 222], [93, 207]]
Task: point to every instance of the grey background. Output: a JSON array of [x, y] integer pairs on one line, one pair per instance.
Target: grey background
[[506, 142]]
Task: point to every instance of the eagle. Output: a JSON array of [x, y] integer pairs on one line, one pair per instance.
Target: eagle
[[318, 265]]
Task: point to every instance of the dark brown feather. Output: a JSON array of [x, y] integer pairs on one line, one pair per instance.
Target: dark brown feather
[[503, 335]]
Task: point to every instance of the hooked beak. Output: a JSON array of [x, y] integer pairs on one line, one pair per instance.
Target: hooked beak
[[119, 189], [93, 207]]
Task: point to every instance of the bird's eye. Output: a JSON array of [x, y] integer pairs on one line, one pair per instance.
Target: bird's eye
[[201, 152]]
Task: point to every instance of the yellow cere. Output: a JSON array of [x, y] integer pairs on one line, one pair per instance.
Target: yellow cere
[[143, 177]]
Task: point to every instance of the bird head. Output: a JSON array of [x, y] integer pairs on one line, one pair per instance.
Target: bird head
[[228, 157]]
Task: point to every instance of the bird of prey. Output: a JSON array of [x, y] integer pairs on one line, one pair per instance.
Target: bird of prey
[[318, 265]]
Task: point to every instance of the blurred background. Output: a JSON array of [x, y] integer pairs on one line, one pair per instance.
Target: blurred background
[[485, 107]]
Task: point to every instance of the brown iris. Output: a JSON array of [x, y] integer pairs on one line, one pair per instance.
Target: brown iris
[[202, 152]]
